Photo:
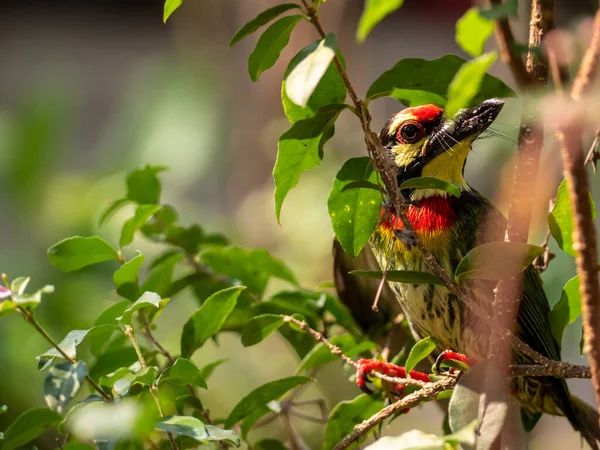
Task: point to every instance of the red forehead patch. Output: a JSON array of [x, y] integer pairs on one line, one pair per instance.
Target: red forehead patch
[[425, 113]]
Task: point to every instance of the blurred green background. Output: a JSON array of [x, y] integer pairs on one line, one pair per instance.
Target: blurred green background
[[89, 90]]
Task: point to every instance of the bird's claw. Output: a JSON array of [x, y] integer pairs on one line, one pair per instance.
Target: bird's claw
[[407, 237], [449, 355]]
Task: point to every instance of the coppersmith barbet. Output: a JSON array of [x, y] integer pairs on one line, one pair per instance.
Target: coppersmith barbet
[[422, 142]]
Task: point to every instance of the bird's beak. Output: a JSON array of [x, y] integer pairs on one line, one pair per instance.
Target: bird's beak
[[466, 126]]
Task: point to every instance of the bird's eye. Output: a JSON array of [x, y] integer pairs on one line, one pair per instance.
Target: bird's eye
[[410, 132]]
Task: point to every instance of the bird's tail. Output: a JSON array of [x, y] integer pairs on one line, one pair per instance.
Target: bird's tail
[[585, 420]]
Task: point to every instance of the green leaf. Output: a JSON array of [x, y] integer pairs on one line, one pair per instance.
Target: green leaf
[[28, 426], [431, 183], [401, 276], [354, 213], [566, 310], [420, 351], [62, 384], [465, 84], [321, 354], [170, 7], [126, 277], [187, 238], [330, 90], [270, 44], [374, 12], [269, 444], [496, 260], [472, 31], [560, 219], [219, 434], [253, 268], [208, 320], [143, 185], [301, 149], [262, 19], [142, 214], [302, 81], [472, 400], [160, 276], [184, 426], [263, 395], [77, 252], [418, 440], [68, 345], [415, 81], [260, 327], [144, 378], [346, 415], [112, 209], [147, 299], [183, 372], [112, 360]]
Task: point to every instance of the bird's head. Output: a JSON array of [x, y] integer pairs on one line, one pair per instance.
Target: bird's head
[[422, 142]]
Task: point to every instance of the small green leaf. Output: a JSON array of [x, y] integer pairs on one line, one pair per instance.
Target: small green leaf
[[187, 238], [77, 252], [208, 320], [147, 299], [301, 149], [62, 384], [170, 7], [354, 213], [263, 395], [566, 310], [126, 277], [415, 81], [143, 185], [560, 219], [401, 276], [465, 84], [161, 274], [260, 327], [374, 12], [270, 44], [472, 31], [219, 434], [142, 214], [496, 260], [68, 345], [419, 352], [302, 81], [28, 426], [184, 426], [346, 415], [144, 378], [183, 372], [262, 19], [431, 183]]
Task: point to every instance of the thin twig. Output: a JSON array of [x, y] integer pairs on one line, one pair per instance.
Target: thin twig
[[593, 155], [152, 339]]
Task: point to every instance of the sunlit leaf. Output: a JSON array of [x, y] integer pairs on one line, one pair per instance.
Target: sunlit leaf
[[374, 12], [77, 252], [63, 383], [472, 31], [262, 19], [219, 434], [170, 7], [354, 213], [126, 277], [418, 440], [401, 276], [431, 183], [142, 214], [185, 426], [260, 327], [496, 260], [466, 83], [420, 351], [147, 299], [566, 310], [29, 426]]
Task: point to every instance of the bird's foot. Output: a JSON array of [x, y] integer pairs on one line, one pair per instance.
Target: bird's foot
[[454, 361], [408, 238], [365, 366]]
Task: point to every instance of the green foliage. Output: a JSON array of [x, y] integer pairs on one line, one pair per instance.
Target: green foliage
[[472, 31], [354, 212], [126, 277], [77, 252], [29, 426], [566, 310], [419, 352], [147, 299], [183, 372], [431, 183], [262, 19], [415, 439], [374, 12], [170, 7], [259, 327]]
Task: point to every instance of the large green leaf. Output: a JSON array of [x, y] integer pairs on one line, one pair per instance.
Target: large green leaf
[[261, 396], [208, 320], [466, 83], [254, 268], [182, 372], [472, 31], [77, 252], [270, 44], [374, 12], [29, 426], [143, 213], [419, 352], [63, 383], [431, 183], [346, 415], [566, 310], [262, 19], [143, 185], [147, 299], [354, 212], [302, 81], [126, 277], [301, 149], [415, 81], [401, 276], [496, 260], [560, 219], [474, 399], [259, 327]]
